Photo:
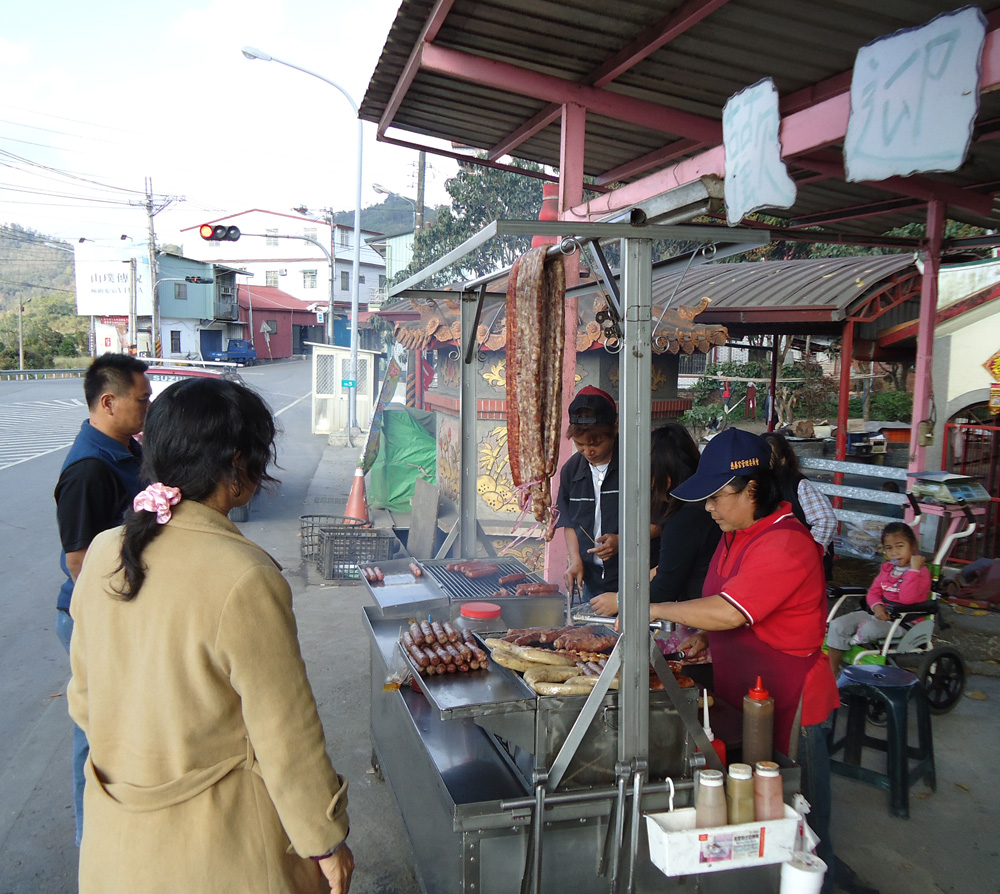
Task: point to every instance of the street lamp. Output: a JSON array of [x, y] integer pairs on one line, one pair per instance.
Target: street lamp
[[352, 390], [382, 191]]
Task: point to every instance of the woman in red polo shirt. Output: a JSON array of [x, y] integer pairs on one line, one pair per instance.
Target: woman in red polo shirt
[[763, 610]]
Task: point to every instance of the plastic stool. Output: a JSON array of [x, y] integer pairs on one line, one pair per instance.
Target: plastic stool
[[894, 688]]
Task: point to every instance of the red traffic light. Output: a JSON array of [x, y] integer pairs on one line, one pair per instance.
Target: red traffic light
[[219, 232]]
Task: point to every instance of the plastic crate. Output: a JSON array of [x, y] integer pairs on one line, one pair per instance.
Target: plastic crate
[[312, 526], [344, 547]]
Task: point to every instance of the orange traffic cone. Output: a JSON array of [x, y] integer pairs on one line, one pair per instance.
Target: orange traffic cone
[[357, 505]]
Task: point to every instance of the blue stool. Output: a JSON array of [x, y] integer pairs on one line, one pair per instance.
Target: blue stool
[[894, 688]]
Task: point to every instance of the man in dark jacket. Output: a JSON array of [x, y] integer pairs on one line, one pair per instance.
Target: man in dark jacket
[[98, 481], [588, 494]]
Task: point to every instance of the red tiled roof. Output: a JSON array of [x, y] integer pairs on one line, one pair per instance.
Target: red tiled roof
[[265, 297]]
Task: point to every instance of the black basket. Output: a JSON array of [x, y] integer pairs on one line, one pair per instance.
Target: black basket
[[344, 547], [312, 528]]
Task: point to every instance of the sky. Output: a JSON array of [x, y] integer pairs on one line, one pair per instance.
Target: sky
[[96, 97]]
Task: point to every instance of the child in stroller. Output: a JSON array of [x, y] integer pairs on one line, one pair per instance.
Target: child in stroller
[[902, 580]]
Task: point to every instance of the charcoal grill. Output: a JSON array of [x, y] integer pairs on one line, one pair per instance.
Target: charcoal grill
[[458, 586]]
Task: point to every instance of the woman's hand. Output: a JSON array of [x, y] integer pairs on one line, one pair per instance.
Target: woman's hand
[[694, 645], [574, 574], [605, 547], [338, 869], [606, 604]]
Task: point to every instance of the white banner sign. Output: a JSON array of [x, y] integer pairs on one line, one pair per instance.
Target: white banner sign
[[104, 279], [756, 176], [914, 98]]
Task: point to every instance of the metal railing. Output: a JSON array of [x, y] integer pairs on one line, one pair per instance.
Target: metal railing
[[8, 375]]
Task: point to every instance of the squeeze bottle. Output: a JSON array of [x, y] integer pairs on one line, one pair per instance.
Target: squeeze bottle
[[758, 725], [717, 744], [710, 808]]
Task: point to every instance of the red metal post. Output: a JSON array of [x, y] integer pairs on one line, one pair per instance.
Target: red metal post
[[923, 385], [843, 408]]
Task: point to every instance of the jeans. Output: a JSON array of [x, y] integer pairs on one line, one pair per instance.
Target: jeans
[[81, 750], [814, 759]]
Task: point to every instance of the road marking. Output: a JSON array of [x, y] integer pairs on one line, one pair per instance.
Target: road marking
[[292, 404], [32, 429]]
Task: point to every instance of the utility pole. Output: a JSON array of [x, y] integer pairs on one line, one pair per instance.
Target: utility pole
[[418, 224], [132, 336], [155, 315]]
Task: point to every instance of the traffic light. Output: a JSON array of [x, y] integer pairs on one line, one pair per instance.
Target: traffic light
[[198, 279], [219, 232]]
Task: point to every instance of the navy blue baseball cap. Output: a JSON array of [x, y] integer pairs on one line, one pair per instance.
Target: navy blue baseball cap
[[732, 453]]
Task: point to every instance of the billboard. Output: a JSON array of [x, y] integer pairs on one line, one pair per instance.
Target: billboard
[[104, 279]]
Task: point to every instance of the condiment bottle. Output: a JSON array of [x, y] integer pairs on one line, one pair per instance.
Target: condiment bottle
[[717, 744], [768, 799], [758, 725], [710, 810], [480, 617], [740, 794]]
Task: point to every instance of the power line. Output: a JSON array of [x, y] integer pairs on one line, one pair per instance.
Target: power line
[[32, 285]]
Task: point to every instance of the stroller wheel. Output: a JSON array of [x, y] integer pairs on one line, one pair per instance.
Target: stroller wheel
[[942, 672]]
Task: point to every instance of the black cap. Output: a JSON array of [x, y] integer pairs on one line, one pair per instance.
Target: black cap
[[591, 406]]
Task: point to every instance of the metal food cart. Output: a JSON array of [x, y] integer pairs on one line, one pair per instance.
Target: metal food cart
[[502, 790]]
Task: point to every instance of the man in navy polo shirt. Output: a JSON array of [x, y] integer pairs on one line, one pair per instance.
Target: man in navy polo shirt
[[96, 486]]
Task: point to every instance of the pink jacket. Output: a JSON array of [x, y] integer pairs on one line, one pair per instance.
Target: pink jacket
[[912, 586]]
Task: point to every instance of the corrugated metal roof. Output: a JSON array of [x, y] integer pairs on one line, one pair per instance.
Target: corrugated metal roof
[[817, 294], [808, 47]]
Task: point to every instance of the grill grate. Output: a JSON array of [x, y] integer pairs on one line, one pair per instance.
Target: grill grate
[[458, 586]]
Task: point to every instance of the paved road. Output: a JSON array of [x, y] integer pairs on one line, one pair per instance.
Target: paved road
[[38, 421]]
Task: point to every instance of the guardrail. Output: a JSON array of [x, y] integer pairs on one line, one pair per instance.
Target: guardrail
[[7, 375]]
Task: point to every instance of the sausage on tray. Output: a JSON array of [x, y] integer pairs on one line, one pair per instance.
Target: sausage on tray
[[418, 637], [416, 654], [415, 569], [428, 632], [450, 632], [439, 633], [432, 656], [536, 589], [443, 655]]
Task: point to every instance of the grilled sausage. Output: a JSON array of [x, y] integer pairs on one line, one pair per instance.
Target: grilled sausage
[[415, 569], [439, 633], [418, 637], [481, 571], [512, 578], [428, 632], [432, 656], [443, 655]]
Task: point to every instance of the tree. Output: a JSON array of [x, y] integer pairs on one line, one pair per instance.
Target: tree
[[479, 195]]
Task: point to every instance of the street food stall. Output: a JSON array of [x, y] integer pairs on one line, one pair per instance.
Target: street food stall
[[502, 789]]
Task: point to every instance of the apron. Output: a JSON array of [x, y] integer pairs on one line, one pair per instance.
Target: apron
[[739, 657]]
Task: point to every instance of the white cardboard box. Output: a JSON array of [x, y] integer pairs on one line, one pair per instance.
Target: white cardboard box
[[676, 847]]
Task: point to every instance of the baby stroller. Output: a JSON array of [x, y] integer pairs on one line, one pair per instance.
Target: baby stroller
[[910, 641]]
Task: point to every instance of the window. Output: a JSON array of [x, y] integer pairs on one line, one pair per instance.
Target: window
[[180, 291], [271, 279], [175, 341], [382, 280], [343, 237], [309, 232], [308, 279], [272, 326], [361, 279], [345, 281], [272, 237], [692, 364]]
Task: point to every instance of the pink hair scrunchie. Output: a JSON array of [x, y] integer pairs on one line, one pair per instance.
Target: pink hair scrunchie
[[157, 498]]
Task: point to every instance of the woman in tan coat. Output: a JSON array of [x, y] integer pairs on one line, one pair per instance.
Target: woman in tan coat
[[208, 768]]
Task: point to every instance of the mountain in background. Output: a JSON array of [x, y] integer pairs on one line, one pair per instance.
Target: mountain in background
[[38, 276], [391, 217]]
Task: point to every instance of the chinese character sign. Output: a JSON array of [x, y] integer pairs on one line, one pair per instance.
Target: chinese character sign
[[914, 98], [104, 279], [755, 174], [992, 366]]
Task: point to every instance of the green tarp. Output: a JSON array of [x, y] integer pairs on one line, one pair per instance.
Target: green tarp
[[407, 449]]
